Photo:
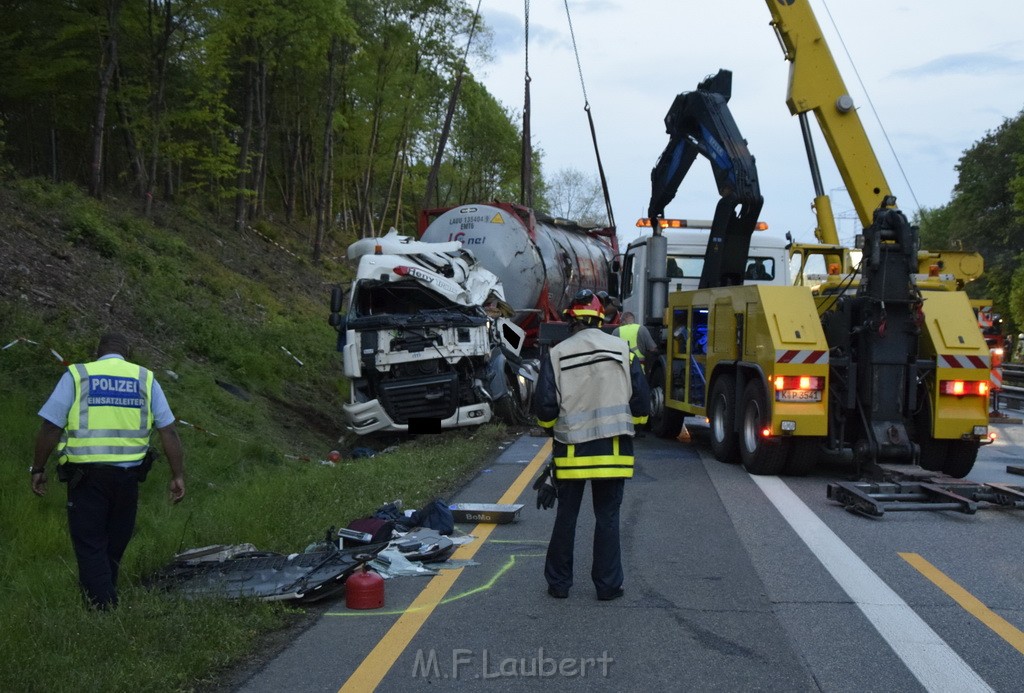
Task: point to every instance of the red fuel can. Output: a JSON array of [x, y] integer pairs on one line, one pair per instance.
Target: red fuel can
[[364, 589]]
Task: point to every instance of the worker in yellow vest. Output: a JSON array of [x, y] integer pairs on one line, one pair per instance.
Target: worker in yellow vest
[[641, 344], [590, 397], [99, 418]]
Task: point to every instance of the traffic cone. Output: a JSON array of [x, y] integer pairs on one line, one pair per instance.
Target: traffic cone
[[684, 435]]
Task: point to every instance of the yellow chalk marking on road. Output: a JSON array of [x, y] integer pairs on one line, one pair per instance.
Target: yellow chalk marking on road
[[509, 564], [968, 601], [372, 670]]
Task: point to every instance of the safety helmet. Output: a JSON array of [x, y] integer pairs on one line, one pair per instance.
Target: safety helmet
[[586, 308]]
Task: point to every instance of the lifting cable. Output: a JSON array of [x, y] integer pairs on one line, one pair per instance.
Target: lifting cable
[[871, 103], [447, 126], [526, 163], [590, 119]]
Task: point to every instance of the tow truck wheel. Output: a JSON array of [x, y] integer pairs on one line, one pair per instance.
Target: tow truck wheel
[[721, 415], [954, 458], [758, 455], [803, 456], [663, 422], [960, 458]]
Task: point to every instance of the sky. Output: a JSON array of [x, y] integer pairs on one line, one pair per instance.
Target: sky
[[939, 74]]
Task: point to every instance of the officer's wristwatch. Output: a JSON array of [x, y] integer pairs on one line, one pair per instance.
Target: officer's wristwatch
[[33, 471]]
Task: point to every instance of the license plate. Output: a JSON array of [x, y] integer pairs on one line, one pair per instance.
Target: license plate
[[798, 396]]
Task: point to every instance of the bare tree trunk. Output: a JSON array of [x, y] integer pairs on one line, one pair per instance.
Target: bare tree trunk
[[159, 59], [137, 163], [243, 147], [403, 168], [327, 161], [365, 208], [108, 64], [260, 156]]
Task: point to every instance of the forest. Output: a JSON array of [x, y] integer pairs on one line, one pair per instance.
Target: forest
[[325, 117], [318, 114]]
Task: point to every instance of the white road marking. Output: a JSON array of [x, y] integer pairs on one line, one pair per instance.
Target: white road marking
[[933, 662]]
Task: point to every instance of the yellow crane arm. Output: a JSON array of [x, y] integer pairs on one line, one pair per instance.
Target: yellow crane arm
[[815, 85]]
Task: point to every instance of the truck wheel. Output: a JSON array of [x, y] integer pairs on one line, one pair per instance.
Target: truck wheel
[[758, 455], [721, 416], [512, 409], [933, 451], [663, 422], [960, 457], [803, 456]]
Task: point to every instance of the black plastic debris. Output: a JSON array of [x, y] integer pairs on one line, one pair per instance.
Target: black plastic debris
[[303, 577]]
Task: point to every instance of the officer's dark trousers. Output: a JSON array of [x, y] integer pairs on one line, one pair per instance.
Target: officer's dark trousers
[[101, 517], [606, 570]]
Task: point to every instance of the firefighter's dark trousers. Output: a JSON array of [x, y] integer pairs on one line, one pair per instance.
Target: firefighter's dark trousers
[[101, 517], [606, 570]]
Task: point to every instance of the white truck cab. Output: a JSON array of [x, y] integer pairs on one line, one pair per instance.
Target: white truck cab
[[767, 263]]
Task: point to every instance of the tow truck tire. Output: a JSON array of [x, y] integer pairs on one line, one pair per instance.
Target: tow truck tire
[[803, 456], [960, 458], [721, 415], [933, 451], [663, 422], [758, 455]]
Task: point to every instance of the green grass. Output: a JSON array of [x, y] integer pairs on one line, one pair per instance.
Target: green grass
[[206, 311]]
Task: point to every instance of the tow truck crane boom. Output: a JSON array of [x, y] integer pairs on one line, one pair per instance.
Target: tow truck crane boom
[[816, 86]]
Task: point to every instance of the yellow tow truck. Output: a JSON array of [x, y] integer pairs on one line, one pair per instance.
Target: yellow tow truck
[[880, 359]]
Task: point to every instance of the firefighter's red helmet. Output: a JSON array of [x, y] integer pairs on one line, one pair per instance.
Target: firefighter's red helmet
[[585, 307]]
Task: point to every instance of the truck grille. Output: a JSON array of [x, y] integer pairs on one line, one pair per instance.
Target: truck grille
[[431, 397]]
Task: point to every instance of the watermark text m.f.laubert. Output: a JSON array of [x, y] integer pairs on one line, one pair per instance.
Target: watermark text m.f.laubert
[[483, 664]]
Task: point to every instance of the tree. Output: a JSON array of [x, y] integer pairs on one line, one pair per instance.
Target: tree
[[986, 214], [574, 195]]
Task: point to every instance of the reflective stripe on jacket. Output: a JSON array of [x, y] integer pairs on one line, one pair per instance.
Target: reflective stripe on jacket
[[111, 416], [607, 458]]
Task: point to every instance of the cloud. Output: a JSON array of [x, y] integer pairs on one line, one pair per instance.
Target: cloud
[[965, 64], [508, 33]]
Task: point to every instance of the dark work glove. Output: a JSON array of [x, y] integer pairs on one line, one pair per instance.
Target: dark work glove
[[547, 490]]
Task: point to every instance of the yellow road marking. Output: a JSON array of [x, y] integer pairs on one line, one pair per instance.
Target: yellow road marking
[[968, 601], [371, 671]]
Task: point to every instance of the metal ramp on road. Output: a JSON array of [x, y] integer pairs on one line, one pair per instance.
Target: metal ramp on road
[[895, 494]]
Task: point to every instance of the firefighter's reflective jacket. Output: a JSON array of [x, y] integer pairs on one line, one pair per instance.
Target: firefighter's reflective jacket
[[591, 396]]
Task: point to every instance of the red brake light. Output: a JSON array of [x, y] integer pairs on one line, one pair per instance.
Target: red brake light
[[401, 270], [799, 382], [958, 388]]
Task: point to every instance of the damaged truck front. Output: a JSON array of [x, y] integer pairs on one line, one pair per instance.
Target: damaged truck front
[[425, 343]]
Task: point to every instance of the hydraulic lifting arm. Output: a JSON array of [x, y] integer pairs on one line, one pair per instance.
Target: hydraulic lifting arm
[[699, 122]]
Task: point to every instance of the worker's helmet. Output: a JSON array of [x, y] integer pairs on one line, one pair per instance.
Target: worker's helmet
[[586, 308]]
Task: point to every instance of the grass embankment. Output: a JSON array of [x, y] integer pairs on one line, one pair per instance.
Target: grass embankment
[[206, 306]]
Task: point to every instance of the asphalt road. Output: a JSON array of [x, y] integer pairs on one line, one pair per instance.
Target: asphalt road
[[733, 583]]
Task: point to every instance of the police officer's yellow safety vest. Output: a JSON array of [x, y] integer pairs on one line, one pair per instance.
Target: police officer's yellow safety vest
[[631, 333], [111, 416]]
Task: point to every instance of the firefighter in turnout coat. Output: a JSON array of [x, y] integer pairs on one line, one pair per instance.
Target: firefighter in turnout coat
[[589, 397]]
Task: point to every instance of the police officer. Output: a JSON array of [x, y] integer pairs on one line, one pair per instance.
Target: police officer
[[99, 418], [590, 397]]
